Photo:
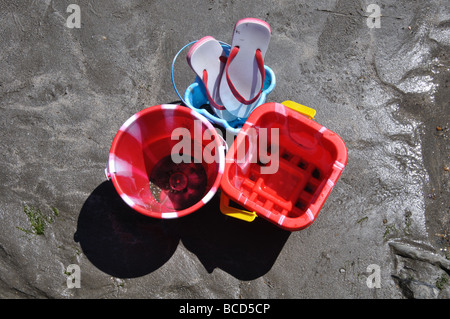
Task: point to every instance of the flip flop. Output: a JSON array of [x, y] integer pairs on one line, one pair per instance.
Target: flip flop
[[207, 59], [243, 79]]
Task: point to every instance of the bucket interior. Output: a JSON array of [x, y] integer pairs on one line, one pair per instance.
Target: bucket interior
[[160, 173], [305, 162]]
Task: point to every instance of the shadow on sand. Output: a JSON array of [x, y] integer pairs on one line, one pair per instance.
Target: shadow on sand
[[126, 244]]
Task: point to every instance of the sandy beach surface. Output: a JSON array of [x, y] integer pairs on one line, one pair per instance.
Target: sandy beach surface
[[65, 91]]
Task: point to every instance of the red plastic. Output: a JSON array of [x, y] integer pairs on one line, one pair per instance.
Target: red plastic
[[142, 170], [310, 158]]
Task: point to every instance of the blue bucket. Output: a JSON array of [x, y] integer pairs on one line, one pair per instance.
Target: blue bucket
[[196, 99]]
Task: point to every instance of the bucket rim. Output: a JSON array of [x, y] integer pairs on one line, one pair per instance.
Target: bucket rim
[[174, 214], [217, 120]]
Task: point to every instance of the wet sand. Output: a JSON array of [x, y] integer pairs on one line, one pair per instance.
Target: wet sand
[[65, 92]]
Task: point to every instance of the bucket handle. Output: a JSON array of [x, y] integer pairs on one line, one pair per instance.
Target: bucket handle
[[235, 212], [173, 65], [302, 109]]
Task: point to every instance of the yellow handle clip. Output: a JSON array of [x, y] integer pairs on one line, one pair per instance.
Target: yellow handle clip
[[302, 109], [234, 212]]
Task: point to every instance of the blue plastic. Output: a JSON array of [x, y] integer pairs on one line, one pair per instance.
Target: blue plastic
[[195, 95]]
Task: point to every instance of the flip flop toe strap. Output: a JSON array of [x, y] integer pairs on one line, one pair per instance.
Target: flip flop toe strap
[[260, 63], [208, 95]]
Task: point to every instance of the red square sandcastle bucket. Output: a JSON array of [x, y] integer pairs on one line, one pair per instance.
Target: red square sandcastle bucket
[[304, 159]]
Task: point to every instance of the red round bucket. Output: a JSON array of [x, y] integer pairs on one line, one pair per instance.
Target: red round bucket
[[166, 161]]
